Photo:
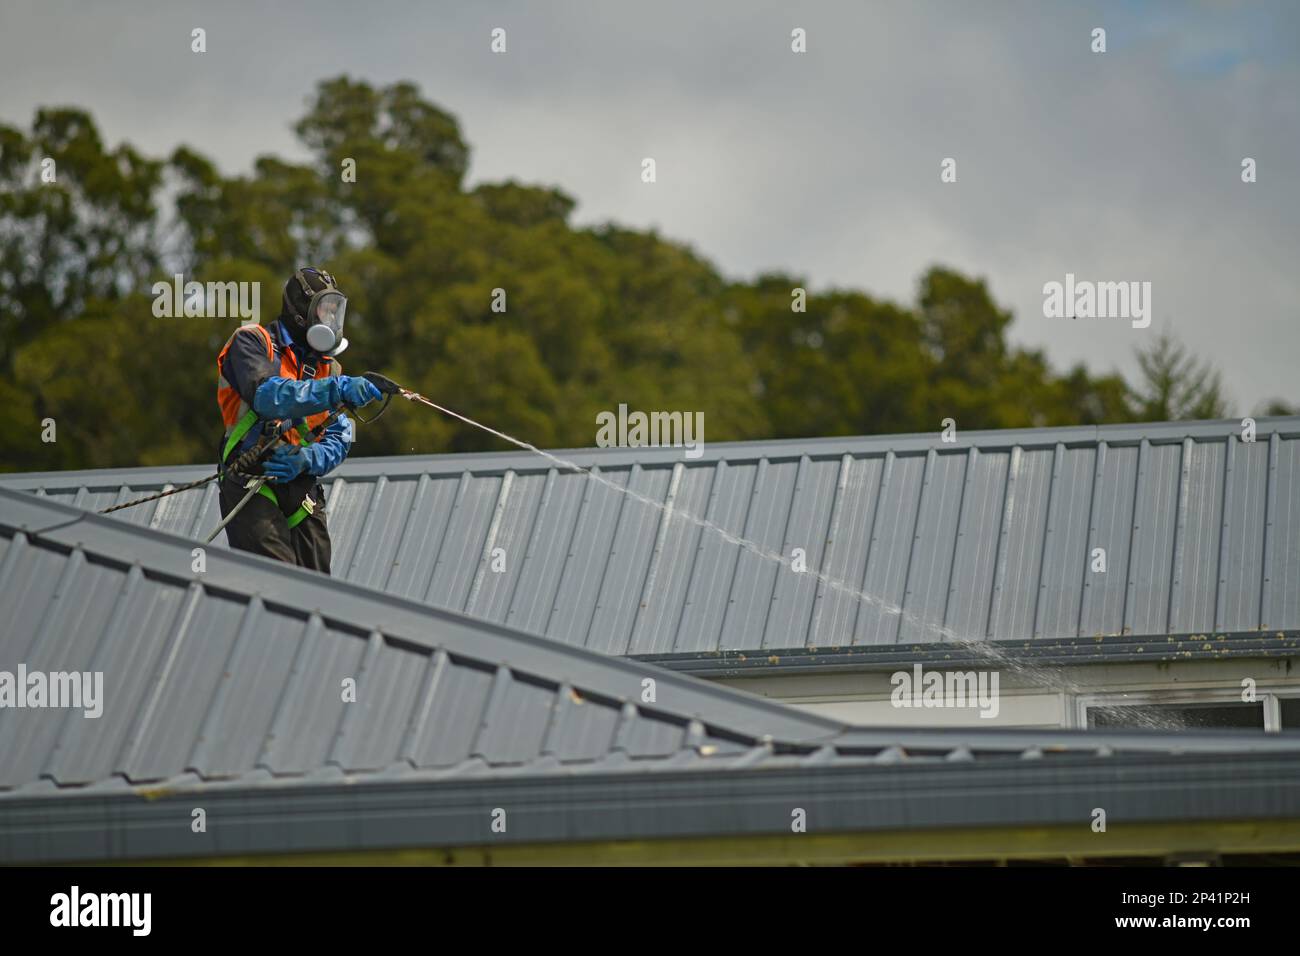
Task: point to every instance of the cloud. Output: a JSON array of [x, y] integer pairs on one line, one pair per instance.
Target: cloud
[[1123, 165]]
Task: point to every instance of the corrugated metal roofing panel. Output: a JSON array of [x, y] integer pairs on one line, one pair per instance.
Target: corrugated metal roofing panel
[[1281, 600], [932, 548], [184, 676], [231, 681], [806, 529], [589, 545], [641, 738], [423, 527], [580, 729], [1065, 540], [247, 666], [542, 560], [458, 699], [708, 594], [835, 609], [672, 563], [247, 695], [974, 550], [507, 537], [1023, 487], [888, 556], [907, 539], [1110, 531], [311, 709], [1241, 559], [1155, 515], [514, 727], [375, 718], [620, 574], [766, 522]]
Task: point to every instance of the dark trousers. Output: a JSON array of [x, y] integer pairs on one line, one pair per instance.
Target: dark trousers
[[262, 528]]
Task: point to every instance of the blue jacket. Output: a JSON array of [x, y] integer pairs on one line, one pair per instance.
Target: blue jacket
[[290, 385]]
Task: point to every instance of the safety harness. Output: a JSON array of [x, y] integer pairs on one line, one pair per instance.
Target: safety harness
[[242, 428]]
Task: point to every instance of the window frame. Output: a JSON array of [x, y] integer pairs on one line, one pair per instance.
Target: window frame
[[1154, 696]]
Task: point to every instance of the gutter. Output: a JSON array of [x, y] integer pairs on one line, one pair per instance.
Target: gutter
[[1057, 652], [1019, 794]]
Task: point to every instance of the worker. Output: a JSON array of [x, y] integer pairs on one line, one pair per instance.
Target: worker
[[288, 373]]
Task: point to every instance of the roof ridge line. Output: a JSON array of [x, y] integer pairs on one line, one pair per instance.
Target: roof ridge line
[[731, 450]]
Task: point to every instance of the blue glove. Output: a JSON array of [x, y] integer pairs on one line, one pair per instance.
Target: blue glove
[[286, 463], [358, 391]]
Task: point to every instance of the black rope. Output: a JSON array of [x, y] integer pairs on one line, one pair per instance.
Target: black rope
[[161, 494]]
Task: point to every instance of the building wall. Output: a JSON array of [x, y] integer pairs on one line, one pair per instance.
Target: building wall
[[1044, 697]]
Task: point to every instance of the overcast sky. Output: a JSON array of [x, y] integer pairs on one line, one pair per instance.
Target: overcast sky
[[1117, 166]]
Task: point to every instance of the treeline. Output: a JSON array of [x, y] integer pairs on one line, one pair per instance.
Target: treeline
[[593, 317]]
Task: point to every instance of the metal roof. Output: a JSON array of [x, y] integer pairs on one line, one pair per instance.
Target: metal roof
[[226, 682], [237, 671], [918, 542]]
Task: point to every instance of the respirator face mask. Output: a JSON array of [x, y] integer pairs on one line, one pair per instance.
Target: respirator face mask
[[325, 313], [325, 322]]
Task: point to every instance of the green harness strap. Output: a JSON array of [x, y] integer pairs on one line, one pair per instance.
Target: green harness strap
[[298, 516], [242, 428]]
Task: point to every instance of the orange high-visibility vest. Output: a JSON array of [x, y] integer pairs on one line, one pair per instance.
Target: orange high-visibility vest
[[232, 405]]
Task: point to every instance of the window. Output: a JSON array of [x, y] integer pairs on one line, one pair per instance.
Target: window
[[1189, 716], [1158, 708], [1289, 709]]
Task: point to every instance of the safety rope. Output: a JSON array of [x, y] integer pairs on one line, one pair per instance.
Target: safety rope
[[161, 494]]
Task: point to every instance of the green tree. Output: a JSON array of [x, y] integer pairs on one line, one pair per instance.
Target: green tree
[[1278, 406], [1175, 384], [593, 317], [78, 238]]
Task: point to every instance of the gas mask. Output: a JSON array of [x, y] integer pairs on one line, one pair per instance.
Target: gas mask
[[325, 313]]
